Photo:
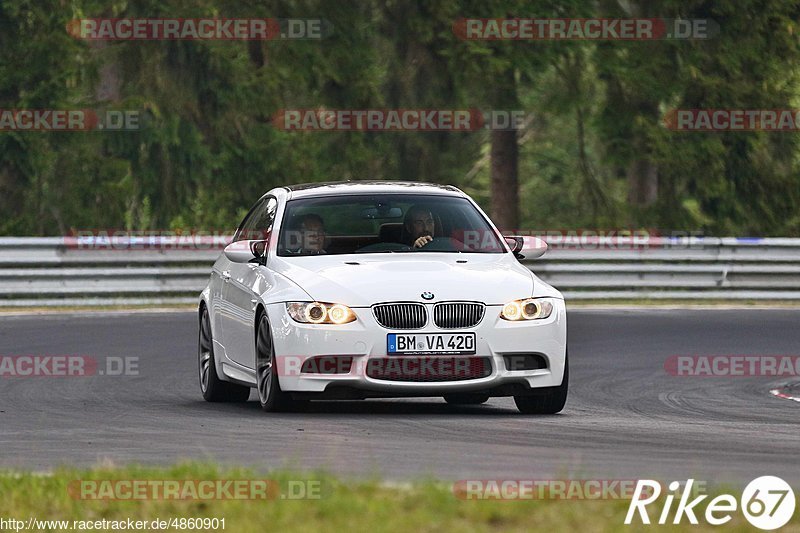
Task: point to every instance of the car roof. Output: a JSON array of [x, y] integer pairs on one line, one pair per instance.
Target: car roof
[[369, 187]]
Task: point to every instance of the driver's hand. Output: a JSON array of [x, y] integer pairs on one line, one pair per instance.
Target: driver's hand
[[422, 241]]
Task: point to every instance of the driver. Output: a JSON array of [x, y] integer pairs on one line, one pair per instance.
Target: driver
[[419, 226], [312, 234]]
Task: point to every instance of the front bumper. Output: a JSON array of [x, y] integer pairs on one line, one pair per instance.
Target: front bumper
[[365, 339]]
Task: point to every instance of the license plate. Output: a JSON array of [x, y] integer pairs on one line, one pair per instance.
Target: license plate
[[434, 343]]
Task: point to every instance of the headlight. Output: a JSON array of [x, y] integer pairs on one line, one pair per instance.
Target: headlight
[[320, 313], [528, 309]]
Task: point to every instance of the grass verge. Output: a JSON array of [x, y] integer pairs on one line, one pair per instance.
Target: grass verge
[[352, 506]]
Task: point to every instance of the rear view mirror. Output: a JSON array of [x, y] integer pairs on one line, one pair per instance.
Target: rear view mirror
[[245, 251], [525, 247], [382, 212]]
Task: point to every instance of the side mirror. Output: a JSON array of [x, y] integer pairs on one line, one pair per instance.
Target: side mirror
[[246, 251], [526, 247]]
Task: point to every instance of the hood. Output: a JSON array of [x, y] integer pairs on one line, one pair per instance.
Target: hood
[[361, 280]]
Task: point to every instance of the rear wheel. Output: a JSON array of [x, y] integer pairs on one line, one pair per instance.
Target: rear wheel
[[272, 398], [213, 388], [547, 400], [466, 399]]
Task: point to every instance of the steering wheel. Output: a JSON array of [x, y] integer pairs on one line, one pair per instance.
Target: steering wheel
[[442, 244]]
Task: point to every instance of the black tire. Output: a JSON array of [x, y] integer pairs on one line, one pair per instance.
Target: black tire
[[548, 400], [270, 395], [213, 388], [466, 399]]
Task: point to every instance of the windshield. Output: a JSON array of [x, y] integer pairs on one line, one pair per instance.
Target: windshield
[[389, 223]]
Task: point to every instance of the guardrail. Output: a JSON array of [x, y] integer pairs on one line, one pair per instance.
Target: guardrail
[[69, 271]]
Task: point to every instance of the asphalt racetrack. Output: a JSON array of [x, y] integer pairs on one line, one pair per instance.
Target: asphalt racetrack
[[626, 417]]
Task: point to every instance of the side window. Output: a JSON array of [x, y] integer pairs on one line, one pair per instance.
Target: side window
[[247, 222], [266, 218], [259, 221]]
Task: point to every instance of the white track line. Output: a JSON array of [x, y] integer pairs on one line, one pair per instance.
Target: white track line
[[781, 393]]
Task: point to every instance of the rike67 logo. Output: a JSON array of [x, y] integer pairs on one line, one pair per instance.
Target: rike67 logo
[[767, 502]]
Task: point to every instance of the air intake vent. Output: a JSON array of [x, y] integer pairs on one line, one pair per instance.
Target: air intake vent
[[524, 361], [425, 369], [455, 315], [400, 316]]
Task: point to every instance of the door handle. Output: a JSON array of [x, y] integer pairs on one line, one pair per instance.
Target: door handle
[[226, 275]]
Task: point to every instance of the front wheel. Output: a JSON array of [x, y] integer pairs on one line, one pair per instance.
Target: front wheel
[[272, 398], [213, 388], [547, 400]]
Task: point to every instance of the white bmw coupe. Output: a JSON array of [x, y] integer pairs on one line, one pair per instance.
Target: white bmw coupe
[[359, 290]]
